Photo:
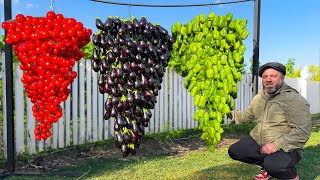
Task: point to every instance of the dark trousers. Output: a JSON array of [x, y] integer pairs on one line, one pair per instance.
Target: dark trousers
[[279, 164]]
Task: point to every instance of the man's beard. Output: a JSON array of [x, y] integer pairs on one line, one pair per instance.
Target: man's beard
[[272, 89]]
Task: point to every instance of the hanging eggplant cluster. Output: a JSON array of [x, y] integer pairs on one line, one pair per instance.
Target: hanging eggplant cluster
[[131, 57]]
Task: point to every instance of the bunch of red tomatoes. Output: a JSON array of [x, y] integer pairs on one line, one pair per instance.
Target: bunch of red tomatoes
[[47, 48]]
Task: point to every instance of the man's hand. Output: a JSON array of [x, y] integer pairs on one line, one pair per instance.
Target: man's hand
[[229, 115], [268, 148]]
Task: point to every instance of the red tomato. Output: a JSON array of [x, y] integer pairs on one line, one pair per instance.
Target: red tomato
[[5, 25], [20, 18], [50, 15]]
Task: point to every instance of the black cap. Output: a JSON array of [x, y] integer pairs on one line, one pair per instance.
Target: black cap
[[274, 65]]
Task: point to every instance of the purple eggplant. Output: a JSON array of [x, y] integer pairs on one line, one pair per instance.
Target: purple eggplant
[[116, 127], [134, 138], [127, 138], [108, 24], [107, 115], [115, 101], [96, 38], [119, 137], [96, 55], [135, 128], [130, 98], [128, 114], [162, 30], [119, 120], [117, 144], [135, 23], [120, 41], [132, 75], [110, 81], [95, 66], [111, 57], [122, 30], [144, 83], [137, 84], [129, 26], [124, 150], [99, 24], [126, 67], [130, 83], [101, 90], [108, 105], [101, 80]]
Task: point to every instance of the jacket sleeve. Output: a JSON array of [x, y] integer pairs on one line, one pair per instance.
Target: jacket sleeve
[[298, 114], [245, 116]]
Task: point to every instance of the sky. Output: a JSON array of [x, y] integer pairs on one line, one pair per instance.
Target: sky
[[288, 28]]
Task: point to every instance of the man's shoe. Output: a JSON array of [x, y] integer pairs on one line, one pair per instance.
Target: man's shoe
[[296, 177], [263, 176]]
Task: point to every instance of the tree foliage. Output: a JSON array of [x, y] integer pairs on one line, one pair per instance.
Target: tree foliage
[[290, 65]]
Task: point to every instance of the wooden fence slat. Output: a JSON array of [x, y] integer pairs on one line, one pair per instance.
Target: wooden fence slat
[[175, 102], [55, 127], [30, 129], [19, 111], [95, 129], [100, 115], [61, 123], [4, 104], [166, 100], [82, 132], [184, 106], [89, 100], [75, 106], [68, 117]]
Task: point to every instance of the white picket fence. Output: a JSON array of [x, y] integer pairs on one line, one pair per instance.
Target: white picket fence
[[83, 120]]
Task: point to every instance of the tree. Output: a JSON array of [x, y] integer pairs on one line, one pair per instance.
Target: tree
[[290, 66]]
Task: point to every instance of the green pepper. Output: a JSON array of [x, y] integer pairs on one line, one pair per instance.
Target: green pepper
[[237, 45], [229, 17], [196, 102], [197, 68], [231, 25], [238, 29], [230, 37], [243, 23], [192, 85], [223, 32], [210, 50], [242, 49], [214, 60], [199, 37], [221, 21], [193, 48], [236, 57], [194, 91], [205, 30], [184, 30], [216, 34], [189, 28], [211, 16], [208, 24], [202, 103], [196, 27], [244, 34], [200, 52], [223, 59], [209, 73], [173, 29], [202, 18]]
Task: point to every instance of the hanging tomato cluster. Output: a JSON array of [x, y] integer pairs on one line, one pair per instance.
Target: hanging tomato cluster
[[131, 57], [47, 48]]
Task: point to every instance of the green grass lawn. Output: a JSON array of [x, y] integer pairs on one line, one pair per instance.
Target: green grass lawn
[[196, 164]]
